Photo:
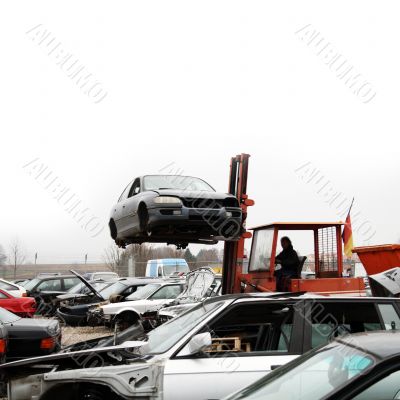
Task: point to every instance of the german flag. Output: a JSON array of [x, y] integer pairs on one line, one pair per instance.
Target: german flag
[[347, 235]]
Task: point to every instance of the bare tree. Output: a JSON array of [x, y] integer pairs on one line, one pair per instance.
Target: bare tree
[[113, 257], [3, 256], [17, 255]]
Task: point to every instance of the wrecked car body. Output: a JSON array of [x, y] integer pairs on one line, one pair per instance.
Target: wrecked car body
[[233, 340]]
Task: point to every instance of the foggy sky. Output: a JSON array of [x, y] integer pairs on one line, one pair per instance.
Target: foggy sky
[[188, 85]]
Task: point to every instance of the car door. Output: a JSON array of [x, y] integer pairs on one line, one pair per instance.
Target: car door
[[129, 208], [249, 340], [118, 211]]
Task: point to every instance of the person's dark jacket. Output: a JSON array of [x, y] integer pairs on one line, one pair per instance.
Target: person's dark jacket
[[289, 260]]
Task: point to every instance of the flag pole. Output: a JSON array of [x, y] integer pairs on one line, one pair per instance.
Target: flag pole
[[351, 206]]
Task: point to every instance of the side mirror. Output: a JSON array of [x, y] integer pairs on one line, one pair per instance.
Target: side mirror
[[197, 344]]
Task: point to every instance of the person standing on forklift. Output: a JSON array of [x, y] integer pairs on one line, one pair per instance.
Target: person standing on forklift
[[289, 261]]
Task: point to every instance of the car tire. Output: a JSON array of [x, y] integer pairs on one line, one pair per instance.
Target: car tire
[[143, 215], [113, 229]]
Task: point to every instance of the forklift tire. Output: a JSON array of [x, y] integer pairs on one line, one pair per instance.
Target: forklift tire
[[113, 229], [143, 215]]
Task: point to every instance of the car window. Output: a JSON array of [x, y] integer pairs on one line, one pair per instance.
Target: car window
[[70, 282], [135, 189], [3, 296], [385, 389], [167, 292], [252, 327], [50, 285], [124, 194], [7, 286], [330, 320], [389, 316], [260, 256]]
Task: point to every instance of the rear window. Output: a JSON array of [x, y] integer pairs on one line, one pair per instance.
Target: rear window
[[330, 320]]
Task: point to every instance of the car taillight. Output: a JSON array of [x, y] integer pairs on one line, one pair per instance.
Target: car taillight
[[3, 346], [25, 294], [48, 343]]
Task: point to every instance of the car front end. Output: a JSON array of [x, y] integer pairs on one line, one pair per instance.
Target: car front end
[[209, 214]]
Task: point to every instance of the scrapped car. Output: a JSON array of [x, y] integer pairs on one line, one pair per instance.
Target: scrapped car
[[201, 283], [12, 288], [45, 287], [219, 346], [75, 311], [174, 209], [146, 299], [358, 367], [81, 292], [28, 337], [21, 306]]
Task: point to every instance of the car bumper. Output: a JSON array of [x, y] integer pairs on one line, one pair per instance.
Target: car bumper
[[224, 222]]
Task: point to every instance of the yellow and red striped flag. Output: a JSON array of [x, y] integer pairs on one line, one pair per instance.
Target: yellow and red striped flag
[[347, 235]]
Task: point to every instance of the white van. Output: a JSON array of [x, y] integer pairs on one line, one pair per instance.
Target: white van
[[165, 267]]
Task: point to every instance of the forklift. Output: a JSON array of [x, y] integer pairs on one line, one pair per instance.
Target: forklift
[[257, 275]]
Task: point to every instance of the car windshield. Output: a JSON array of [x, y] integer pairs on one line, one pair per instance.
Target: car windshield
[[313, 376], [143, 292], [81, 288], [115, 288], [165, 336], [7, 317], [31, 284], [155, 182], [171, 269]]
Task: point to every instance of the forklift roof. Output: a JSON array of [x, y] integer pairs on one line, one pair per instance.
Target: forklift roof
[[299, 226]]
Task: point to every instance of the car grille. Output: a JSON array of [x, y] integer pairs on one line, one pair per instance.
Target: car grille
[[209, 203]]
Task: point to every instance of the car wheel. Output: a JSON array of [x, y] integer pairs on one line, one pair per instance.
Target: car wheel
[[113, 229], [126, 320], [143, 219]]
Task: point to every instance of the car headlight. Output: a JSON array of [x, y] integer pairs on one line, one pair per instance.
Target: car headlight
[[167, 200]]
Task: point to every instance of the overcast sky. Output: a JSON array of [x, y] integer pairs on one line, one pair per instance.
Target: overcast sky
[[190, 84]]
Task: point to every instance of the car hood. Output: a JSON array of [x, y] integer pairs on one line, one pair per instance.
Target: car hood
[[192, 194], [386, 284], [174, 311], [197, 284], [73, 355], [85, 282]]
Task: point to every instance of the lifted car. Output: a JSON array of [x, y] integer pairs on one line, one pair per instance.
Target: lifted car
[[229, 340], [174, 209]]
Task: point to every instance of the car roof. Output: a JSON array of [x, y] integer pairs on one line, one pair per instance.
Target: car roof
[[285, 296], [381, 344]]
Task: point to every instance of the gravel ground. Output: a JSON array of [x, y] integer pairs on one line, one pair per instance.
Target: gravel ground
[[71, 335]]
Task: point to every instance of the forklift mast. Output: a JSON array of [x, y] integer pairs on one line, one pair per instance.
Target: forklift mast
[[234, 250], [259, 272]]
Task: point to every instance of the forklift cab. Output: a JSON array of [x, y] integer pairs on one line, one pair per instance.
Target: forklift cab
[[327, 260]]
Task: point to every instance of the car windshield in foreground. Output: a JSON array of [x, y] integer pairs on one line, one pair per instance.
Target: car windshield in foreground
[[165, 336], [313, 376], [156, 182], [143, 292], [31, 284], [7, 317], [115, 288]]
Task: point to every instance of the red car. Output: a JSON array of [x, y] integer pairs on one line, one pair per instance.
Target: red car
[[22, 306]]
